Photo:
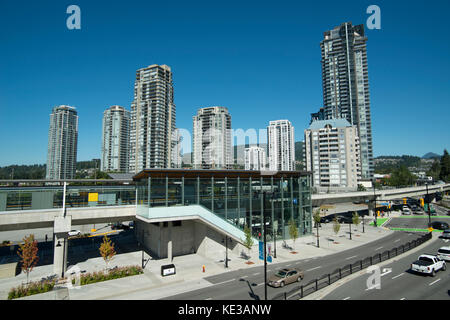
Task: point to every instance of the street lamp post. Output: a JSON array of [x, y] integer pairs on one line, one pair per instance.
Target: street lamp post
[[265, 258], [226, 251], [374, 204], [428, 205]]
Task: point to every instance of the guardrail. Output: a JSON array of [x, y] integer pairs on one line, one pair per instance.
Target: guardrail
[[329, 278]]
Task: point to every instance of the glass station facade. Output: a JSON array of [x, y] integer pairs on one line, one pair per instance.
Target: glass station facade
[[237, 196]]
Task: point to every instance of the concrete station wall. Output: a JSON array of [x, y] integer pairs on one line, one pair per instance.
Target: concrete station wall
[[192, 236]]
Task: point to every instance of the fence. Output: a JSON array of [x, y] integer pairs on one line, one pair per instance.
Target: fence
[[327, 279]]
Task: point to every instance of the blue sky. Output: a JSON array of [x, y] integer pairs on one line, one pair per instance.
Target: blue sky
[[261, 59]]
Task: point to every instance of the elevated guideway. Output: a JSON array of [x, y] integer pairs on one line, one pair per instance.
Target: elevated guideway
[[385, 194]]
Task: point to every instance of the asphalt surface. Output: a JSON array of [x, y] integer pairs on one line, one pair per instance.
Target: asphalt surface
[[400, 283], [248, 284]]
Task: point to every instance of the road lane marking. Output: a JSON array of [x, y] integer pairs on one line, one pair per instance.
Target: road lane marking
[[403, 299], [346, 298], [259, 284], [224, 282], [435, 282], [288, 265], [378, 248], [208, 299], [398, 275], [255, 274], [397, 240], [350, 257], [314, 268]]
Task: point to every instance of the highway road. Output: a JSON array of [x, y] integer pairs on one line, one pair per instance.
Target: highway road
[[249, 283], [400, 283]]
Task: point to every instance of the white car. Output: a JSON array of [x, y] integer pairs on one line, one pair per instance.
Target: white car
[[73, 233], [406, 211], [444, 253], [428, 264]]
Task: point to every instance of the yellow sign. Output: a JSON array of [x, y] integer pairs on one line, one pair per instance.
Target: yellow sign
[[430, 229], [93, 230], [93, 197]]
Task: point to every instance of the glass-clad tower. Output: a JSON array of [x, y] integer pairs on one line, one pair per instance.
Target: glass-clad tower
[[115, 139], [345, 82], [62, 143]]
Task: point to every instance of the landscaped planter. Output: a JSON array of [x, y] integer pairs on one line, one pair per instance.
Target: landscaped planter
[[88, 278]]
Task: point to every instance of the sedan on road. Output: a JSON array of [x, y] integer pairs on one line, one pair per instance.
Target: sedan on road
[[439, 225], [444, 253], [285, 276]]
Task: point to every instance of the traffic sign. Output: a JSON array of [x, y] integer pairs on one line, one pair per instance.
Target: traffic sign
[[430, 229], [261, 250]]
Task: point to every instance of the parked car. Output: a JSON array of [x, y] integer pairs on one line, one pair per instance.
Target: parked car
[[325, 219], [119, 226], [406, 211], [439, 225], [428, 264], [444, 253], [446, 234], [344, 219], [73, 233], [285, 276]]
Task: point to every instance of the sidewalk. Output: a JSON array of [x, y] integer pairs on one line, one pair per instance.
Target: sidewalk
[[189, 274]]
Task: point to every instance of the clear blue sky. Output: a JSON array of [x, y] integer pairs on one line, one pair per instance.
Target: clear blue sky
[[261, 59]]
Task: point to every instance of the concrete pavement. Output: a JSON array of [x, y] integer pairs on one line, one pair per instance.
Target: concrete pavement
[[189, 272]]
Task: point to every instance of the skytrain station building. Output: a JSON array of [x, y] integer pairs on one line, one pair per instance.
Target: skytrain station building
[[183, 211]]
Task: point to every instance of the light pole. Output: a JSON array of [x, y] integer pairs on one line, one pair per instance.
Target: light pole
[[428, 205], [226, 251], [374, 204]]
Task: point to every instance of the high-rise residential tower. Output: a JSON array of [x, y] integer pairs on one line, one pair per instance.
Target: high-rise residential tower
[[281, 145], [62, 143], [255, 158], [152, 119], [345, 82], [332, 154], [115, 139], [212, 139]]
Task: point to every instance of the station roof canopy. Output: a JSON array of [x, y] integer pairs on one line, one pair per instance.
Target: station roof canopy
[[208, 173]]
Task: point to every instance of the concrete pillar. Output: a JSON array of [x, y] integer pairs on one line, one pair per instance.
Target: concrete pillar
[[61, 229], [169, 243]]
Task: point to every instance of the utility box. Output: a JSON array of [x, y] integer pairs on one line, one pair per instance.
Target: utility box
[[167, 270]]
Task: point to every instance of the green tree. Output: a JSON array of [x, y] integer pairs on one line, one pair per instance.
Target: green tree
[[361, 188], [355, 219], [248, 241], [28, 253], [336, 225], [293, 231], [107, 250], [316, 217], [435, 170], [444, 173], [401, 177]]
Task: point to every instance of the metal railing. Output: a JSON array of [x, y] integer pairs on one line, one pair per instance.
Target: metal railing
[[329, 278]]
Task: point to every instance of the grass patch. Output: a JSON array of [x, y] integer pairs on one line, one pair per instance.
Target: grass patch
[[380, 221]]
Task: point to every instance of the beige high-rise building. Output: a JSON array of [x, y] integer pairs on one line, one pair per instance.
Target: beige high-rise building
[[152, 119], [332, 154], [212, 139]]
